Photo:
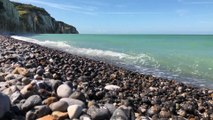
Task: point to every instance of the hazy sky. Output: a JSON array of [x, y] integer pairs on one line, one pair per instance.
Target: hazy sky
[[132, 16]]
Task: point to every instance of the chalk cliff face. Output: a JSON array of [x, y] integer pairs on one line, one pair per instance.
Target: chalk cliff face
[[23, 18], [9, 17]]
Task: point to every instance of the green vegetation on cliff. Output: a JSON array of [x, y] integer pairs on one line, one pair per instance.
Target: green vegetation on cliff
[[25, 18]]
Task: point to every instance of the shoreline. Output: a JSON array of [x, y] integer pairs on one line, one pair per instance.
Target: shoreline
[[141, 95]]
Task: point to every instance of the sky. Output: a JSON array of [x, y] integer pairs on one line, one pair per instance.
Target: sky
[[132, 16]]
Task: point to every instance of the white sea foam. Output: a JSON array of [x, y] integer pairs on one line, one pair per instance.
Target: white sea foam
[[74, 50]]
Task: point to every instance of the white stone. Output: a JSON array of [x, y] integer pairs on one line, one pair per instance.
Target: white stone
[[64, 91], [112, 87], [74, 111]]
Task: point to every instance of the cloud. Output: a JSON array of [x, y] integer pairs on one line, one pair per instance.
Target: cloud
[[84, 9], [62, 6], [203, 2], [200, 2], [128, 13]]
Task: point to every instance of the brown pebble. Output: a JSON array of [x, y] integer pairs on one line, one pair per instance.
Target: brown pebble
[[49, 100], [47, 117], [60, 115], [165, 114], [21, 71]]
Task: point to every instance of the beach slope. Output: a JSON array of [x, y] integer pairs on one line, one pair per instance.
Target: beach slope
[[44, 83]]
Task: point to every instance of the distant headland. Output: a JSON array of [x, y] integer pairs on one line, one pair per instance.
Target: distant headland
[[21, 18]]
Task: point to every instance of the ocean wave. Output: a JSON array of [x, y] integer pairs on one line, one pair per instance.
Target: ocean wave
[[139, 59], [142, 63]]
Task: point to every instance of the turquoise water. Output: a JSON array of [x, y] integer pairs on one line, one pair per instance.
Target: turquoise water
[[187, 58]]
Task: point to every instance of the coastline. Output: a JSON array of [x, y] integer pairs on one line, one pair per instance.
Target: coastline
[[145, 95]]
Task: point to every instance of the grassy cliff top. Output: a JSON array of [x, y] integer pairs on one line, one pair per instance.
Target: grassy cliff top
[[28, 8]]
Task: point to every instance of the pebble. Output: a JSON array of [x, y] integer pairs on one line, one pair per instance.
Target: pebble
[[9, 77], [49, 100], [59, 115], [2, 78], [165, 114], [112, 87], [110, 107], [28, 90], [74, 111], [40, 72], [4, 104], [47, 117], [59, 106], [21, 71], [98, 113], [9, 91], [31, 102], [37, 77], [37, 112], [15, 97], [78, 95], [48, 75], [41, 110], [123, 113], [64, 91], [85, 117], [25, 81], [30, 115], [71, 101], [54, 84]]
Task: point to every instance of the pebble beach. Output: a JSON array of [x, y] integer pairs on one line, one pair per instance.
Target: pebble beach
[[40, 83]]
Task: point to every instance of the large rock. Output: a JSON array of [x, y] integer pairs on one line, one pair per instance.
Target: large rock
[[74, 111], [64, 91], [31, 102], [4, 104]]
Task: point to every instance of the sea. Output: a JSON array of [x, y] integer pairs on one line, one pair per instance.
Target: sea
[[185, 58]]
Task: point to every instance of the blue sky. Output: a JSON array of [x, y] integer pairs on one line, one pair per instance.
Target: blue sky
[[132, 16]]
